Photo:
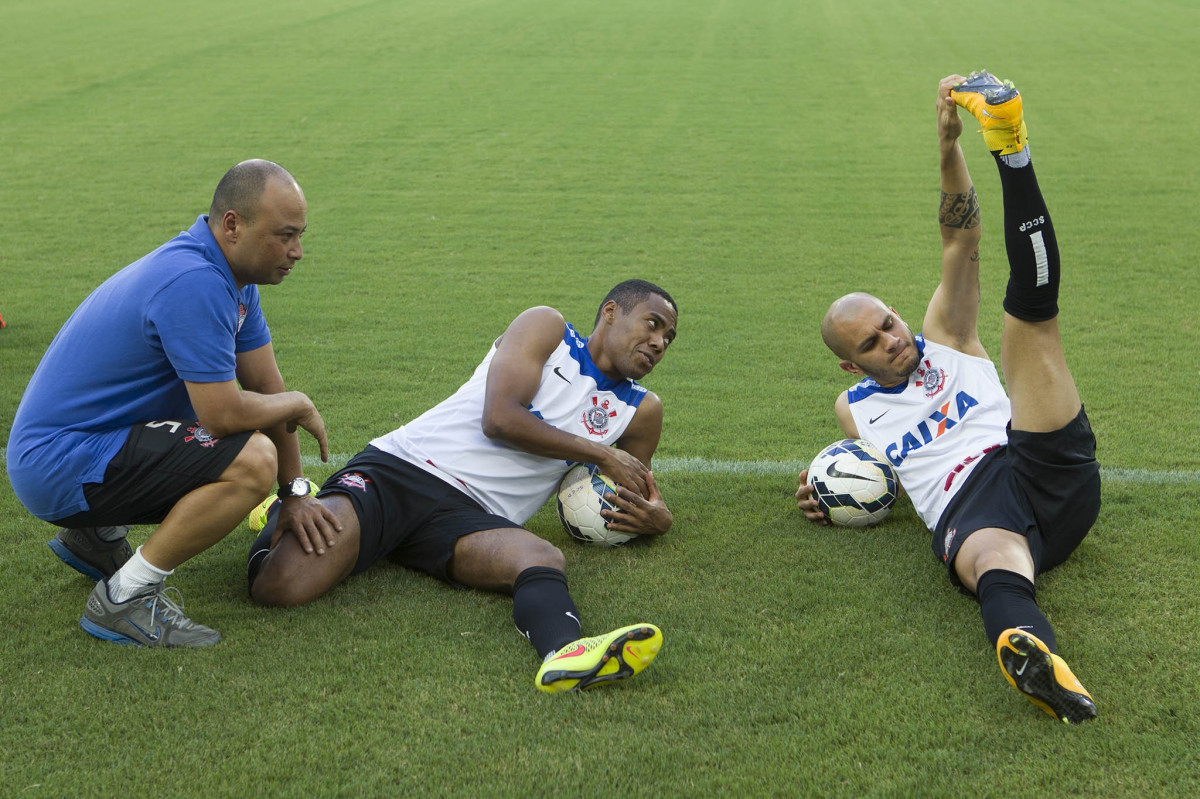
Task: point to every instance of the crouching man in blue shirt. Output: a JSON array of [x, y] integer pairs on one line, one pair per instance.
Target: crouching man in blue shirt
[[160, 402]]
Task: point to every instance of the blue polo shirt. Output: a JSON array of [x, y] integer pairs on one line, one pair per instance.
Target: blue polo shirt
[[121, 359]]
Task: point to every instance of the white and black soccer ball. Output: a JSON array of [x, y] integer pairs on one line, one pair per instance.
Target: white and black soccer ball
[[582, 494], [853, 483]]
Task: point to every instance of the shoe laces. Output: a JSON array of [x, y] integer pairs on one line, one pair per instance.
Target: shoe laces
[[169, 611]]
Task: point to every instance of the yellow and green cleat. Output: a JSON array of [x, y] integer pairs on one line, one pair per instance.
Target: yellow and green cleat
[[1044, 677], [257, 519], [997, 106], [594, 661]]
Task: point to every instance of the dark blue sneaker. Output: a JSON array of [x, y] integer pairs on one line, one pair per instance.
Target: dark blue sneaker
[[87, 553]]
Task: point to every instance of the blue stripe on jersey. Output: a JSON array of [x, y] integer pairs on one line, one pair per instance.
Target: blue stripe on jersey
[[626, 389], [868, 387]]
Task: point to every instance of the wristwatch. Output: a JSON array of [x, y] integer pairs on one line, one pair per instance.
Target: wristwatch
[[298, 487]]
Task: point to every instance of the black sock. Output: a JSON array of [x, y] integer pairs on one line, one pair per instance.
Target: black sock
[[1033, 260], [543, 609], [1006, 599]]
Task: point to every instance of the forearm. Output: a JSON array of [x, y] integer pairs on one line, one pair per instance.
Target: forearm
[[520, 429], [253, 411], [287, 446], [956, 178]]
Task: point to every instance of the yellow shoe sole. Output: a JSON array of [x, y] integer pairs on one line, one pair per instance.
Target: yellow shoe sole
[[1044, 677], [588, 662]]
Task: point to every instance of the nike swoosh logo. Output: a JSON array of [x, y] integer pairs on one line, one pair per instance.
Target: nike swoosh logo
[[579, 650], [153, 636], [560, 374], [880, 416], [834, 471], [1024, 665]]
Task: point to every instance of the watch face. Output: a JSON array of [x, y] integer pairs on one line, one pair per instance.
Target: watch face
[[296, 488]]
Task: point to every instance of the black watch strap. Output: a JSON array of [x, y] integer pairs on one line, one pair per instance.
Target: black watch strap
[[298, 487]]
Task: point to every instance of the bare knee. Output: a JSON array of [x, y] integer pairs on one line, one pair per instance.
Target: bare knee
[[990, 549], [989, 561], [492, 559], [543, 553], [255, 466], [289, 576], [280, 583]]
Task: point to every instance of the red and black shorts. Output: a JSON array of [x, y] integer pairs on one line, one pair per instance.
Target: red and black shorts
[[1044, 486], [159, 463]]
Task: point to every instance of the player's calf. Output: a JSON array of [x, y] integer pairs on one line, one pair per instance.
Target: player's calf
[[1033, 259]]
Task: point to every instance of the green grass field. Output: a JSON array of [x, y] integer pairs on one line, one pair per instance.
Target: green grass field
[[467, 159]]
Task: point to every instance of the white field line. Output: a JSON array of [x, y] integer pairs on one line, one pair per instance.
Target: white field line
[[791, 468]]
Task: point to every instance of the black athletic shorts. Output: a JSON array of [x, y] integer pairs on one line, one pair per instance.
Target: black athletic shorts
[[1045, 486], [159, 463], [406, 514]]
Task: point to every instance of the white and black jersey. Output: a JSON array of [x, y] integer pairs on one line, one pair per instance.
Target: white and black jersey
[[935, 427], [573, 396]]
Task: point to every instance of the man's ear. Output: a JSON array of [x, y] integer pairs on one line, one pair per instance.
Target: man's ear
[[609, 311], [229, 225], [851, 368]]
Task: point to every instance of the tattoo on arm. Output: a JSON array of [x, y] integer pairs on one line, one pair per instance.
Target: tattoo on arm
[[960, 210]]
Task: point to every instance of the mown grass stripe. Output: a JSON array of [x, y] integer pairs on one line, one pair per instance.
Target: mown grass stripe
[[765, 467]]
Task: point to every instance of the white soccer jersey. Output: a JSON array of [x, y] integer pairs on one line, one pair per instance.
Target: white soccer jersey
[[936, 427], [574, 396]]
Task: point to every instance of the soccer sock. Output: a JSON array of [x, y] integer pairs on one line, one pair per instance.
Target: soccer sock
[[1033, 260], [134, 578], [1006, 599], [543, 609]]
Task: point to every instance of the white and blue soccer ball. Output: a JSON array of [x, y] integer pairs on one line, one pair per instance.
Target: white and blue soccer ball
[[582, 494], [854, 483]]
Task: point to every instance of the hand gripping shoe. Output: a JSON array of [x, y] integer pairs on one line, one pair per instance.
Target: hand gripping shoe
[[997, 106]]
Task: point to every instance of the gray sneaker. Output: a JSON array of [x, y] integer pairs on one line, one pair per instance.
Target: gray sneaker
[[87, 553], [149, 619]]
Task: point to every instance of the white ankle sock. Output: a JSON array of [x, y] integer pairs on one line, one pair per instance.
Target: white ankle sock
[[134, 578]]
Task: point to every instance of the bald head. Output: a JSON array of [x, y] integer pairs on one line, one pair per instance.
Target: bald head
[[841, 313], [242, 187]]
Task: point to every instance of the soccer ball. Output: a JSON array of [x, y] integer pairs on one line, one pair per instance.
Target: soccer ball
[[582, 494], [853, 483]]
